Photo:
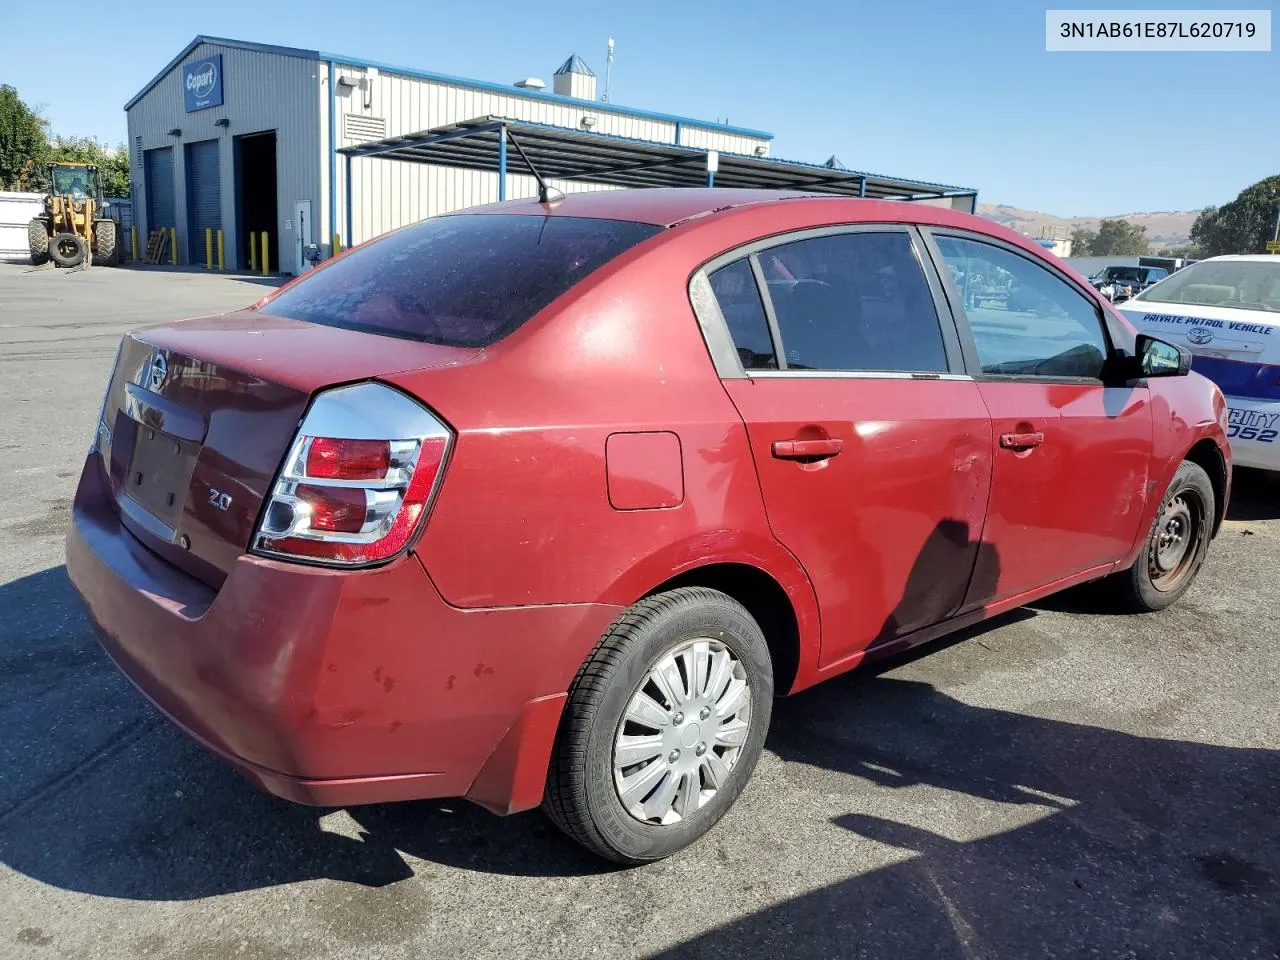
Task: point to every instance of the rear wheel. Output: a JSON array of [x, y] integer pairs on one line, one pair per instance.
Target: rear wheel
[[1176, 546], [38, 241], [664, 725], [106, 245], [68, 249]]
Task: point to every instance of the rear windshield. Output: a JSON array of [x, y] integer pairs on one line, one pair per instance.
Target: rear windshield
[[461, 281]]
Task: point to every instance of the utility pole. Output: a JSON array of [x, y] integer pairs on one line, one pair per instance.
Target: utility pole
[[1277, 234]]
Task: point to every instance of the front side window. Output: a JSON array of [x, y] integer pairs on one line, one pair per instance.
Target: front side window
[[463, 281], [1025, 321], [854, 301], [739, 298], [1246, 284]]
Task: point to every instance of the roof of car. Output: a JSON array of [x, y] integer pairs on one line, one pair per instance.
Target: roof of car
[[1252, 257], [666, 206]]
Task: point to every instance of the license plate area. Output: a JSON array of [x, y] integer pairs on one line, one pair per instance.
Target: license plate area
[[159, 474]]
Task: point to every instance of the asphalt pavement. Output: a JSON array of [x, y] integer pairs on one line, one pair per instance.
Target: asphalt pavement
[[1062, 782]]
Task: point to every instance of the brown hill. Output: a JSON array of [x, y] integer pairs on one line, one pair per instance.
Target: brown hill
[[1164, 229]]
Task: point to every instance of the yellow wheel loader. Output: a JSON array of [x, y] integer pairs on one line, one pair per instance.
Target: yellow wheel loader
[[76, 227]]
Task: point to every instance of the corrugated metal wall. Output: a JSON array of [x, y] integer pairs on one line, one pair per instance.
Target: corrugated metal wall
[[387, 194], [261, 91]]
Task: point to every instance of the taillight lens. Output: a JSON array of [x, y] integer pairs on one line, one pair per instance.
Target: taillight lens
[[361, 473], [333, 459]]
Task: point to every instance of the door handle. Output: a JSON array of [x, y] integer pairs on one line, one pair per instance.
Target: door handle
[[807, 449], [1021, 441]]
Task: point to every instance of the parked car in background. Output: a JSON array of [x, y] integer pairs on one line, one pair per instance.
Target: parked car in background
[[1118, 283], [1226, 311], [544, 503]]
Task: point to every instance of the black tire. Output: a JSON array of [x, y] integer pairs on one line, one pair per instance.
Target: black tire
[[38, 241], [581, 797], [68, 249], [1153, 582], [106, 245]]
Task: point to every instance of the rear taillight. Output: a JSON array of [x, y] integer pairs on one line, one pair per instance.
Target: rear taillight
[[359, 476]]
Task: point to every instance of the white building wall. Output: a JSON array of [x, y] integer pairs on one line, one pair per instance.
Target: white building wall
[[16, 211], [707, 138], [261, 91], [387, 194]]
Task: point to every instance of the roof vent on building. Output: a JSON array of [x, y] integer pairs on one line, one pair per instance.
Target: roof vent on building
[[531, 83], [575, 79]]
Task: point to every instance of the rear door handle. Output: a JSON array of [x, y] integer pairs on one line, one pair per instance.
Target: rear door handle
[[807, 449], [1021, 441]]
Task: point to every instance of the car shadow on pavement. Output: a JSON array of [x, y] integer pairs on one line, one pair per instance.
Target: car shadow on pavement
[[1255, 495], [1135, 846]]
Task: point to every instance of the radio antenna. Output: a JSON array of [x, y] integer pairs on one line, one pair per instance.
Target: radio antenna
[[608, 69]]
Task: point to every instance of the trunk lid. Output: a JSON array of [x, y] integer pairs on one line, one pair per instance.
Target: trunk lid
[[200, 413]]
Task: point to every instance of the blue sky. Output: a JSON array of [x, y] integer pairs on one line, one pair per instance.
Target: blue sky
[[961, 93]]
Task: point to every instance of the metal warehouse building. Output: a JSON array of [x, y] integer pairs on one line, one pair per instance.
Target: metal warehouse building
[[312, 147]]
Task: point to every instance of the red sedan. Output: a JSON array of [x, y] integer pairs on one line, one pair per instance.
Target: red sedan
[[544, 503]]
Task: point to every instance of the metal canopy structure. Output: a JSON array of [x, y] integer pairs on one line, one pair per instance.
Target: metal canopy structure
[[563, 154]]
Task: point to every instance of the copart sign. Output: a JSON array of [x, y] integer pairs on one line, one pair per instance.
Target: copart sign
[[202, 83]]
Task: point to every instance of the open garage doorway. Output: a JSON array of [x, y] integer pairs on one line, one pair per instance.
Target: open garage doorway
[[256, 198]]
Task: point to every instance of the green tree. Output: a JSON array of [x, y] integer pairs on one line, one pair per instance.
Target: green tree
[[1119, 238], [24, 144], [1082, 242], [112, 163], [1242, 226]]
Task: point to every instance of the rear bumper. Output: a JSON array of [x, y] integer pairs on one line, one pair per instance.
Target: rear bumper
[[334, 687], [1253, 427]]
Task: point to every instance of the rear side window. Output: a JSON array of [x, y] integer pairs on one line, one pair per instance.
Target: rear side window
[[739, 299], [854, 301], [462, 281]]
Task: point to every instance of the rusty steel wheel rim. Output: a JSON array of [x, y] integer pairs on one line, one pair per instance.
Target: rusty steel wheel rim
[[1174, 550]]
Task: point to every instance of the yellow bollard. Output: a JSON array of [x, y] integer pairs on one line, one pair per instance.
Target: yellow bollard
[[208, 248], [265, 259], [337, 244], [220, 260], [133, 242], [253, 251], [173, 246]]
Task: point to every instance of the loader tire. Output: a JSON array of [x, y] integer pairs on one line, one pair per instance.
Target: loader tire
[[38, 240], [106, 247], [68, 249]]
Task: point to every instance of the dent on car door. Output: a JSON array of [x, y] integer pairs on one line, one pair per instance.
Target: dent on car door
[[874, 457], [1072, 452]]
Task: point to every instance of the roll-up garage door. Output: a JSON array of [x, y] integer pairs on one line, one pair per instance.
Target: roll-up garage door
[[158, 171], [204, 197]]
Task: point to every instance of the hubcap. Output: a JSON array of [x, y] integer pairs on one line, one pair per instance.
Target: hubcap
[[682, 732], [1176, 541]]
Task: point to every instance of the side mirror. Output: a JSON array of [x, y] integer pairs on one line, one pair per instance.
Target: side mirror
[[1156, 358]]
